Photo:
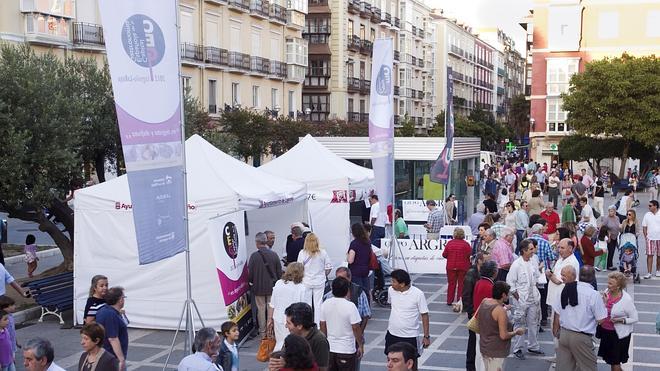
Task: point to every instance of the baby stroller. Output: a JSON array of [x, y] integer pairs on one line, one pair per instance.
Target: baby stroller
[[382, 281], [629, 241]]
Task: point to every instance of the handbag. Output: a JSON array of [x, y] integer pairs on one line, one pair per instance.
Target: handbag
[[266, 346], [373, 261], [473, 323]]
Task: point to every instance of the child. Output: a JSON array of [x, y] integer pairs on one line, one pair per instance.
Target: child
[[628, 261], [6, 355], [31, 254], [228, 356], [601, 261], [9, 305]]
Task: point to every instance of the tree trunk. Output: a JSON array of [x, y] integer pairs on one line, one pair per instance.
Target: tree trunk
[[597, 164], [99, 166], [591, 166], [63, 243], [624, 160]]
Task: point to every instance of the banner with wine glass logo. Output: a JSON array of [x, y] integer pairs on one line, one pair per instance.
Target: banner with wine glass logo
[[142, 51], [228, 242]]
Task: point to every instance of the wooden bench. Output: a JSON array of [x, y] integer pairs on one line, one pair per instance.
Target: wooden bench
[[54, 294]]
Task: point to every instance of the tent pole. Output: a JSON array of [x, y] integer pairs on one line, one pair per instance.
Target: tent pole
[[189, 303]]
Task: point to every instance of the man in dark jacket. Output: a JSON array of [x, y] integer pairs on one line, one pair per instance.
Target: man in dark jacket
[[264, 269], [471, 278]]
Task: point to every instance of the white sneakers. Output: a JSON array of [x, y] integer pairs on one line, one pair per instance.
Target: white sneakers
[[647, 276], [657, 273]]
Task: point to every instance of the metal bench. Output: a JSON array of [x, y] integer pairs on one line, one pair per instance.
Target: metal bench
[[54, 294]]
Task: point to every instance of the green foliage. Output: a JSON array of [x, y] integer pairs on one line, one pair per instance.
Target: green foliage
[[286, 132], [250, 132], [479, 124], [407, 128], [587, 148], [519, 116], [197, 121]]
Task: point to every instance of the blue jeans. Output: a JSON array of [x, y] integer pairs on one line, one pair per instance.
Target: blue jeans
[[519, 236]]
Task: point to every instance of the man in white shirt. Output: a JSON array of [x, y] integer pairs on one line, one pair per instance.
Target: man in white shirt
[[38, 355], [408, 304], [587, 213], [207, 345], [376, 220], [651, 229], [578, 309], [340, 322], [566, 257], [525, 299]]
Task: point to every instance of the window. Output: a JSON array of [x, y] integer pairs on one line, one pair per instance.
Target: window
[[212, 30], [350, 105], [555, 115], [608, 25], [559, 72], [273, 99], [255, 96], [235, 94], [292, 103], [187, 33], [317, 73], [373, 35], [363, 31], [296, 51], [185, 83], [213, 108], [350, 28], [318, 105], [256, 42]]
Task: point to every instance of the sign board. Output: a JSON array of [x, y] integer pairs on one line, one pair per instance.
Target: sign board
[[416, 210], [554, 147]]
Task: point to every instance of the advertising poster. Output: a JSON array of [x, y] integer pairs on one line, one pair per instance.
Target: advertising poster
[[142, 50], [416, 210], [228, 243]]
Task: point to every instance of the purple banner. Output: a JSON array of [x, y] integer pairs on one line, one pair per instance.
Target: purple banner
[[442, 167], [142, 50]]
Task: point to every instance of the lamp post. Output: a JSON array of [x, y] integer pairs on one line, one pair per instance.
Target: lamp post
[[308, 114]]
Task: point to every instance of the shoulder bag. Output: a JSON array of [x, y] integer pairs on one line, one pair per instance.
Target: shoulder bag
[[473, 323]]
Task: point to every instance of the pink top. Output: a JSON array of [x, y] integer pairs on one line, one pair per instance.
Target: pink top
[[502, 253], [607, 323]]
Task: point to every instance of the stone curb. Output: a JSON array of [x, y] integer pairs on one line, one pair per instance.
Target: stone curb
[[40, 254], [27, 315]]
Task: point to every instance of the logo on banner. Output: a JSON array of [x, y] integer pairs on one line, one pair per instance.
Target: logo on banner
[[230, 240], [143, 40], [384, 81], [340, 196]]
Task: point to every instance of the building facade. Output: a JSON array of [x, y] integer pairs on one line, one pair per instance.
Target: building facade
[[567, 34], [341, 36], [472, 62], [233, 53]]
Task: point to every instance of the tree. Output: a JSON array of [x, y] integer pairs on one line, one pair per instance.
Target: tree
[[251, 132], [407, 128], [198, 121], [285, 134], [583, 148], [617, 97], [519, 116], [41, 116]]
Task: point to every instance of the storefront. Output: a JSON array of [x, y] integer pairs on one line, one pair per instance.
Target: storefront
[[413, 159]]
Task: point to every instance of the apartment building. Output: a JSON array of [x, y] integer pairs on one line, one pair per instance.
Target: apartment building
[[472, 62], [247, 53], [341, 37], [566, 35], [510, 68]]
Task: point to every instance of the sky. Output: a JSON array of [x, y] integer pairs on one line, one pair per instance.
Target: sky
[[504, 14]]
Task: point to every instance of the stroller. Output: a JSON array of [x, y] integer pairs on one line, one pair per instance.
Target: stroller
[[628, 241]]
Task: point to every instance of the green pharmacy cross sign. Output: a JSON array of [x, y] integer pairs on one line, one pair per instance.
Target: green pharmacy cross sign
[[510, 146]]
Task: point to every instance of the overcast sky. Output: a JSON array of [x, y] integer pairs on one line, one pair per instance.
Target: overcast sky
[[504, 14]]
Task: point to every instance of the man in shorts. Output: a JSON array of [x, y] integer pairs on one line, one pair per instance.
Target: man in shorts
[[651, 229]]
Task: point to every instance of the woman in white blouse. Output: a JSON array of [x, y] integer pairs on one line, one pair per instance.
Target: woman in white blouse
[[317, 266], [288, 290]]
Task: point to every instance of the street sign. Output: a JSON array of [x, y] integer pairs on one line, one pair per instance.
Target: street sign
[[510, 146], [554, 147]]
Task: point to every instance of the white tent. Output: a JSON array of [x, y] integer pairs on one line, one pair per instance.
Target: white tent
[[332, 182], [217, 184]]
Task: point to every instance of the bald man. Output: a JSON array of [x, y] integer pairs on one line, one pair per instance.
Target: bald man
[[566, 258]]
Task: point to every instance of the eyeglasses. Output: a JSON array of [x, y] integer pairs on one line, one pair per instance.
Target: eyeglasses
[[630, 214]]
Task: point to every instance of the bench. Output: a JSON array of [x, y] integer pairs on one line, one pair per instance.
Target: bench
[[54, 294]]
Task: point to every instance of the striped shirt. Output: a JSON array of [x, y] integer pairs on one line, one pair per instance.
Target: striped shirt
[[545, 253]]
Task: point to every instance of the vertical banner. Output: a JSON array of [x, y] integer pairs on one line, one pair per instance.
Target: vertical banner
[[442, 167], [381, 122], [228, 243], [141, 45]]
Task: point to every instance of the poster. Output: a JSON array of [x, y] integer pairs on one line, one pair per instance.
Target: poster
[[228, 243], [142, 51], [416, 210], [442, 167]]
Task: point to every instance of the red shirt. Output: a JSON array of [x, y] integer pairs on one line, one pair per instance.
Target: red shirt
[[552, 220], [589, 251], [457, 252], [482, 290]]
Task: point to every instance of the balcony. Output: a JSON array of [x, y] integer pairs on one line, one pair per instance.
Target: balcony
[[316, 78], [353, 116], [259, 65], [365, 86], [414, 30], [386, 19], [87, 33], [239, 61], [501, 110], [213, 108], [295, 19], [366, 47], [375, 14], [313, 3], [420, 62], [420, 94], [397, 120], [354, 6], [397, 55], [500, 71], [500, 91], [413, 60], [277, 70], [192, 52], [365, 10], [259, 8], [354, 43], [397, 22], [353, 84], [456, 50], [277, 13], [242, 5], [364, 117], [419, 121], [216, 56], [420, 32], [396, 90]]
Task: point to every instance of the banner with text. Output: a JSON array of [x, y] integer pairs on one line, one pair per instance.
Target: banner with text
[[228, 243], [381, 122], [141, 46], [416, 210], [441, 169]]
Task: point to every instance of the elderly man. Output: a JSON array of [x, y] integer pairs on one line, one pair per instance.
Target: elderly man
[[38, 355], [551, 218], [206, 345], [477, 218], [488, 241], [264, 269], [116, 331], [525, 300], [566, 258], [502, 253], [270, 239], [578, 309], [435, 222]]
